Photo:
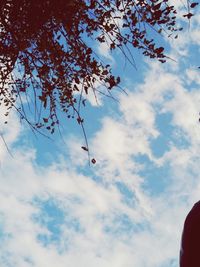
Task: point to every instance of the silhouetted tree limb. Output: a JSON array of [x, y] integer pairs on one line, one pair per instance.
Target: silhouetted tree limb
[[44, 53]]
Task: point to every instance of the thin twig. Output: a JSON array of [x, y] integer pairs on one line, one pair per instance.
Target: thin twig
[[3, 139]]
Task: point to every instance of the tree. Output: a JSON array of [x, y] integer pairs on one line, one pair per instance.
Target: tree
[[44, 50]]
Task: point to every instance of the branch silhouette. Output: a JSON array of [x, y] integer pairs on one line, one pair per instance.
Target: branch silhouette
[[46, 58]]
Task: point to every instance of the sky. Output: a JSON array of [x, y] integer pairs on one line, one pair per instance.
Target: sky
[[128, 209]]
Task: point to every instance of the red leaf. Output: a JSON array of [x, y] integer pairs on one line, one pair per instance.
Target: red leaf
[[194, 4], [159, 50], [93, 161], [189, 15], [45, 120], [156, 7]]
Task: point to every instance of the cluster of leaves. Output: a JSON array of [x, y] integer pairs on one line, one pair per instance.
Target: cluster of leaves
[[136, 17], [43, 50], [44, 40]]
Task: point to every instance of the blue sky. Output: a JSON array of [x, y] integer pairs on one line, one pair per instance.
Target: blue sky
[[128, 209]]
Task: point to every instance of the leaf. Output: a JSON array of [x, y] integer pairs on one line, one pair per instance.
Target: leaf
[[45, 120], [93, 161], [157, 14], [189, 15], [162, 60], [77, 80], [83, 102], [80, 120], [112, 46], [194, 4], [89, 51], [159, 50], [156, 7], [84, 148], [118, 79]]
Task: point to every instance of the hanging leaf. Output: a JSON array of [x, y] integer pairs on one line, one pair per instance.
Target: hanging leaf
[[93, 161], [84, 148], [189, 15], [193, 5]]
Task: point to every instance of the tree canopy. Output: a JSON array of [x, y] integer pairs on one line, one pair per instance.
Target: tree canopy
[[44, 49]]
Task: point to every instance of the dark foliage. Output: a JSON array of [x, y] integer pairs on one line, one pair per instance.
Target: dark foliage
[[43, 49]]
